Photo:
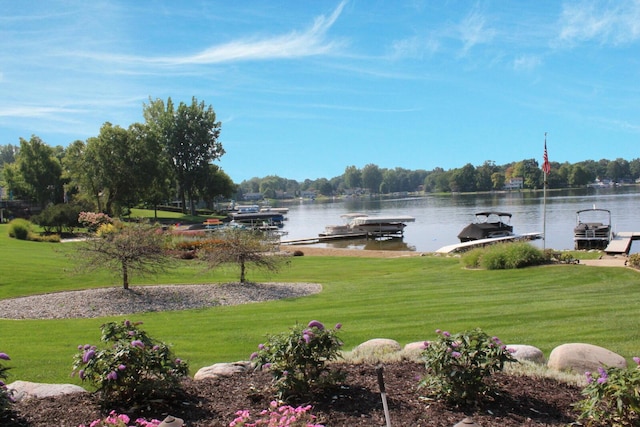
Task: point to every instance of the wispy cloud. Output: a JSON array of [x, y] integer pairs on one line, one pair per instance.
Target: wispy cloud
[[35, 111], [474, 30], [527, 62], [295, 44], [610, 23]]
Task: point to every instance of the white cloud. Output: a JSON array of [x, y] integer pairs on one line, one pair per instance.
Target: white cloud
[[614, 23], [473, 30], [526, 62], [295, 44]]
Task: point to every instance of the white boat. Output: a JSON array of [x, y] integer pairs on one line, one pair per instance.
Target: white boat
[[382, 225], [358, 224]]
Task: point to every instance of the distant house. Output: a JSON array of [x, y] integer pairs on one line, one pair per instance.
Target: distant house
[[309, 194], [516, 183], [252, 196]]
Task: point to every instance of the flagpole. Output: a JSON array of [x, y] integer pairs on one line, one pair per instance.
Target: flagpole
[[544, 198]]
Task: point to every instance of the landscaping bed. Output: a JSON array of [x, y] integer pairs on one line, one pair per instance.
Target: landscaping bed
[[518, 401]]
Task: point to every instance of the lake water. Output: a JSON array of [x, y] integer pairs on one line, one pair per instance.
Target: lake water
[[439, 219]]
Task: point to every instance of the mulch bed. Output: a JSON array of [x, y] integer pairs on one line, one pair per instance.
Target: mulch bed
[[518, 401]]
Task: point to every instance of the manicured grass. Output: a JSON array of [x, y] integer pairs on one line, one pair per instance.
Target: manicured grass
[[405, 299]]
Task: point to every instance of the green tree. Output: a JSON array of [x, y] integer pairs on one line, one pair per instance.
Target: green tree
[[8, 154], [497, 180], [352, 177], [579, 176], [217, 185], [244, 248], [114, 160], [371, 177], [124, 249], [189, 136], [40, 170], [464, 179]]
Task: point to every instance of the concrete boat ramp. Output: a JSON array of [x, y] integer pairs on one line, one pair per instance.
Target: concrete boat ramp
[[466, 246]]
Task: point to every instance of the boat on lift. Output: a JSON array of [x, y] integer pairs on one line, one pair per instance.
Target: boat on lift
[[487, 225]]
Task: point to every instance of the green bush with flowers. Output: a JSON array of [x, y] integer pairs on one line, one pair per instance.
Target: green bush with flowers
[[612, 398], [5, 395], [132, 369], [278, 415], [457, 365], [298, 359]]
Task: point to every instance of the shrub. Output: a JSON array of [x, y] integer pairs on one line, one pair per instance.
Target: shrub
[[93, 220], [277, 416], [59, 218], [297, 359], [5, 396], [634, 260], [613, 398], [20, 229], [132, 369], [505, 256], [457, 365]]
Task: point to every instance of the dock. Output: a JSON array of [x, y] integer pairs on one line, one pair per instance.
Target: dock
[[320, 239], [621, 242], [461, 247]]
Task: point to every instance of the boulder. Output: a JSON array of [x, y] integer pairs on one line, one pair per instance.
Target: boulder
[[25, 389], [221, 370], [579, 358], [379, 346], [527, 353], [414, 349]]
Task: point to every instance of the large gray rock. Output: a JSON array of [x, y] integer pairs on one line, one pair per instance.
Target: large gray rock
[[378, 346], [527, 353], [25, 389], [580, 358], [222, 370]]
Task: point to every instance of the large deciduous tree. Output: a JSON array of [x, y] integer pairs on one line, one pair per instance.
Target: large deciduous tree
[[41, 171], [189, 137]]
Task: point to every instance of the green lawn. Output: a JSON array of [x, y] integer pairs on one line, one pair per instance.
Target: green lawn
[[405, 299]]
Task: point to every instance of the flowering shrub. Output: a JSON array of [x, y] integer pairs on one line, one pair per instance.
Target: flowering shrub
[[458, 364], [297, 359], [5, 396], [132, 369], [612, 398], [93, 220], [121, 420], [277, 416]]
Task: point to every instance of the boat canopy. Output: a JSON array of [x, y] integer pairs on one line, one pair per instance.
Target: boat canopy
[[361, 220]]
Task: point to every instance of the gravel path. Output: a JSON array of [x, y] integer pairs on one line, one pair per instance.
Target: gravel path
[[118, 301]]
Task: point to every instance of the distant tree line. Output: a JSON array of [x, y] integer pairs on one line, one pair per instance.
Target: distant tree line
[[486, 177], [168, 158]]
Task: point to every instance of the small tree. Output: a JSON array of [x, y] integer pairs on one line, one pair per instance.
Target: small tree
[[124, 249], [243, 247]]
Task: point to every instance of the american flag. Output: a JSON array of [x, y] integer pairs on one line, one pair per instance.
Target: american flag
[[546, 167]]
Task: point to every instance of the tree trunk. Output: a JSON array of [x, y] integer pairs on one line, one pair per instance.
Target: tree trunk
[[242, 269], [125, 275]]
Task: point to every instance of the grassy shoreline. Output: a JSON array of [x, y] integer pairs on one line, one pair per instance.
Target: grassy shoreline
[[404, 299]]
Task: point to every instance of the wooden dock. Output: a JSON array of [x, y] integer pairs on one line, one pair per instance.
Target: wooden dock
[[320, 239], [461, 247], [621, 242]]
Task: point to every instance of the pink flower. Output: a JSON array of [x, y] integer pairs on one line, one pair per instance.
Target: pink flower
[[4, 356], [316, 324], [137, 343]]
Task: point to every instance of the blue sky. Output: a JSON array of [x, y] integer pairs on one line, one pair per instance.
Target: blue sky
[[306, 88]]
